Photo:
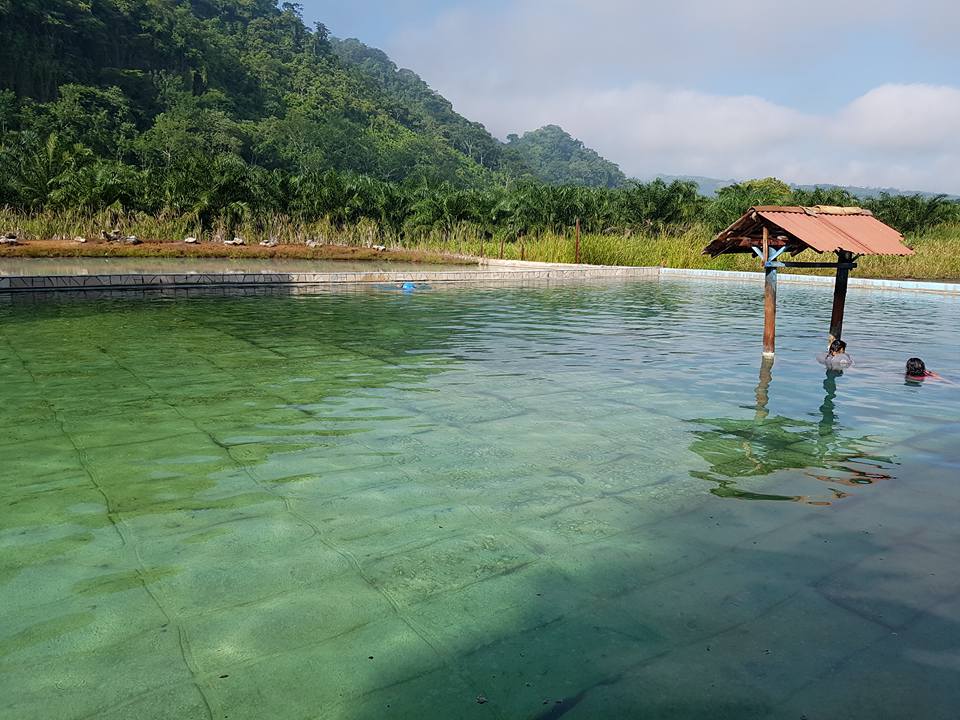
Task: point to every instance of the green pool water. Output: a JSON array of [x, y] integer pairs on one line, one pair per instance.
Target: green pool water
[[576, 501]]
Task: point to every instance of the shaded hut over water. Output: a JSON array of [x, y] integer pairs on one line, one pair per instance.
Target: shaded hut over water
[[771, 230]]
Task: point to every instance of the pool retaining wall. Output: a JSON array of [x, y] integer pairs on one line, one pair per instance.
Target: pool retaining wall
[[538, 272], [854, 282], [488, 271]]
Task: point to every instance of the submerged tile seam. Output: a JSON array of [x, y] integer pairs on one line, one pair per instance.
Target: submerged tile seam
[[248, 341], [656, 657], [116, 520], [183, 639], [133, 442], [444, 655], [844, 660]]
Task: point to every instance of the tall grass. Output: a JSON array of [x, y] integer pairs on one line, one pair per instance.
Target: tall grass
[[937, 253], [68, 224], [937, 250]]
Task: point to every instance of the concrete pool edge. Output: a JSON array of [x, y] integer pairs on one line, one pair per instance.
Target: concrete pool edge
[[138, 281], [944, 288], [488, 271]]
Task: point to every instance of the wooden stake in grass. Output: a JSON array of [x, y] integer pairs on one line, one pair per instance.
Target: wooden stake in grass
[[576, 251], [502, 240]]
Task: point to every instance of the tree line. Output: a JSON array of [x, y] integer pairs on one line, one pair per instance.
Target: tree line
[[187, 169], [227, 112]]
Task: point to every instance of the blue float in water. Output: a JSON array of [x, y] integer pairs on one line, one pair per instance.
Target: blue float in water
[[402, 287]]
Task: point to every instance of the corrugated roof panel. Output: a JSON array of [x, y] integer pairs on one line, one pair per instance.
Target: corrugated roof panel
[[879, 238], [827, 232]]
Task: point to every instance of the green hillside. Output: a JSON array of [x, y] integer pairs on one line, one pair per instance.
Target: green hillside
[[412, 103], [174, 117], [162, 86], [557, 158], [183, 94]]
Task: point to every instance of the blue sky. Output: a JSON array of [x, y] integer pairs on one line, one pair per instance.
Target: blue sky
[[374, 22], [849, 91]]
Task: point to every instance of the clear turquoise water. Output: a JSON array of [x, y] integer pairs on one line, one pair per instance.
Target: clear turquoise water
[[573, 501]]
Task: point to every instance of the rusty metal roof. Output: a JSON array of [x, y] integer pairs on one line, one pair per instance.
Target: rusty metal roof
[[820, 228]]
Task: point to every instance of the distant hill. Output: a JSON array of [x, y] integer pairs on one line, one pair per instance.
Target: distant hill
[[865, 193], [555, 157], [709, 186]]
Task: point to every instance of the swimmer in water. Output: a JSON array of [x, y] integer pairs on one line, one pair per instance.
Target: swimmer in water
[[836, 357], [917, 370]]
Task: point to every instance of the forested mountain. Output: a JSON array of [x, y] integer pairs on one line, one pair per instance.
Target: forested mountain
[[241, 80], [557, 158], [415, 105], [232, 113]]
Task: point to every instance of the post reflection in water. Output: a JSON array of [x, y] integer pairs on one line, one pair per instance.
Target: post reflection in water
[[766, 445]]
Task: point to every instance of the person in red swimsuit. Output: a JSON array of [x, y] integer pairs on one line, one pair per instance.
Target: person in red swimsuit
[[917, 370]]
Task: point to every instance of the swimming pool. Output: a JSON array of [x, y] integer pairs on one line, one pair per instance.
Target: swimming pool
[[582, 500]]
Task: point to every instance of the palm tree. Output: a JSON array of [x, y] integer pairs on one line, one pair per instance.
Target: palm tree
[[38, 168]]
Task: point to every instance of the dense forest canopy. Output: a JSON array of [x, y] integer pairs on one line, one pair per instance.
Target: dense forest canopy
[[225, 111], [557, 158]]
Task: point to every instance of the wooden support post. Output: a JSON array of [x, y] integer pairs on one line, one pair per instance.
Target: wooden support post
[[576, 252], [839, 295], [769, 300]]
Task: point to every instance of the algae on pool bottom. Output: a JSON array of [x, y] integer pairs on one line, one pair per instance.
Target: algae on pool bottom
[[376, 504]]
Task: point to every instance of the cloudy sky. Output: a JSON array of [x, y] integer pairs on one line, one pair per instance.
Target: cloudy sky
[[861, 92]]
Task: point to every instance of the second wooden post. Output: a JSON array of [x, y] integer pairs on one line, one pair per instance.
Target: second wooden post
[[844, 259]]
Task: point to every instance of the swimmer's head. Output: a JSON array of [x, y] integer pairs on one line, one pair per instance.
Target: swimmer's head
[[916, 367], [837, 347]]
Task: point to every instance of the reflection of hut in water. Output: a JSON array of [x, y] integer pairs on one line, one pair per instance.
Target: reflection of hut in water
[[752, 448]]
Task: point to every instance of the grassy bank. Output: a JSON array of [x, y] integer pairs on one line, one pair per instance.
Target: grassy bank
[[62, 249], [51, 235], [937, 253]]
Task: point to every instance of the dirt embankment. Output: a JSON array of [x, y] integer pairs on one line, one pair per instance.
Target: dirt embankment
[[99, 248]]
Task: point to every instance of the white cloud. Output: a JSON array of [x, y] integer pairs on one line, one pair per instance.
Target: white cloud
[[727, 89], [916, 118]]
